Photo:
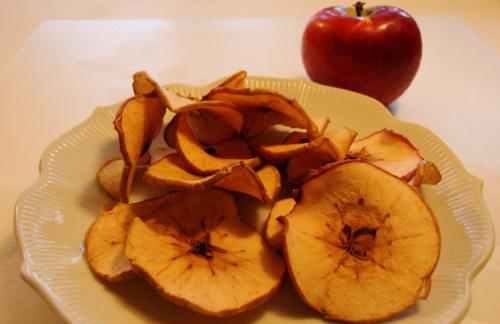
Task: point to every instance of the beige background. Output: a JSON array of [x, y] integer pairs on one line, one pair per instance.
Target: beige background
[[19, 19]]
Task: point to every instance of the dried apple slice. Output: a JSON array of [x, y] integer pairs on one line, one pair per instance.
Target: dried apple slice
[[199, 160], [427, 173], [233, 148], [302, 137], [237, 80], [263, 184], [169, 133], [172, 171], [142, 84], [145, 84], [271, 179], [294, 114], [105, 239], [390, 151], [137, 122], [199, 254], [286, 151], [373, 241], [109, 177], [210, 128], [334, 149], [227, 116], [274, 227]]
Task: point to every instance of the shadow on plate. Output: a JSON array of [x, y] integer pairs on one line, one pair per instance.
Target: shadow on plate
[[138, 295]]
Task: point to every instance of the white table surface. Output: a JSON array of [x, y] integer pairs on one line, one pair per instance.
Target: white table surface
[[52, 80]]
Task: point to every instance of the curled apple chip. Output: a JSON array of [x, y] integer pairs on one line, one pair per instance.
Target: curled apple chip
[[263, 184], [286, 151], [227, 116], [137, 122], [427, 173], [257, 120], [335, 148], [236, 148], [237, 80], [169, 132], [145, 84], [105, 239], [196, 156], [390, 151], [142, 84], [210, 128], [271, 179], [294, 114], [173, 172], [109, 177], [373, 241], [199, 254], [274, 227], [302, 137]]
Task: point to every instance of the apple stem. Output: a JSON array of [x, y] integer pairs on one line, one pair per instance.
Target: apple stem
[[359, 8]]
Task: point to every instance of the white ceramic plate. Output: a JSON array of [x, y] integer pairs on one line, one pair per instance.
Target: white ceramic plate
[[53, 215]]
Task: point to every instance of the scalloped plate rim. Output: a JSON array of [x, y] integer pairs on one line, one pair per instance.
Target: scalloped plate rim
[[41, 287]]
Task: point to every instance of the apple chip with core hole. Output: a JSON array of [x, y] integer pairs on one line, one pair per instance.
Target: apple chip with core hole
[[137, 122], [196, 156], [334, 148], [274, 227], [173, 172], [373, 241], [293, 114], [199, 254], [105, 239], [390, 151]]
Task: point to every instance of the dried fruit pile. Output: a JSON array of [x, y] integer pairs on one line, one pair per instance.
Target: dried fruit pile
[[357, 239]]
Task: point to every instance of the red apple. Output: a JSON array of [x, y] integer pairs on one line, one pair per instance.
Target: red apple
[[375, 51]]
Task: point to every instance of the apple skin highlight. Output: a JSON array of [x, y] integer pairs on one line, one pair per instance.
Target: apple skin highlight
[[377, 53]]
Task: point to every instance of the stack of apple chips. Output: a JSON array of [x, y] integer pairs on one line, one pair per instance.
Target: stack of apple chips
[[357, 238]]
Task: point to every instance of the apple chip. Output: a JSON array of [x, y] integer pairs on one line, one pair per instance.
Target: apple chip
[[237, 80], [257, 120], [373, 241], [286, 151], [334, 149], [172, 171], [109, 177], [105, 239], [176, 103], [142, 84], [210, 128], [294, 114], [302, 137], [427, 173], [274, 227], [263, 184], [271, 179], [137, 122], [390, 151], [169, 133], [233, 148], [196, 156], [199, 254]]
